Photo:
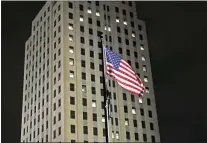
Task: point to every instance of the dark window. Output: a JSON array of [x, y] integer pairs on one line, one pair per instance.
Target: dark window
[[114, 96], [130, 3], [81, 28], [83, 63], [134, 44], [70, 5], [135, 123], [131, 14], [140, 27], [119, 39], [94, 117], [90, 31], [95, 131], [136, 136], [128, 52], [115, 108], [142, 111], [93, 90], [118, 29], [100, 68], [82, 40], [97, 3], [72, 128], [148, 102], [85, 116], [72, 141], [81, 7], [135, 54], [90, 20], [100, 56], [144, 137], [98, 23], [117, 9], [127, 41], [132, 24], [85, 129], [132, 98], [125, 109], [91, 42], [140, 37], [70, 15], [104, 132], [82, 51], [151, 126], [126, 31], [92, 65], [91, 54], [72, 100], [143, 124], [120, 50], [84, 102], [153, 138], [72, 87], [116, 121], [128, 135], [83, 75], [137, 65], [72, 114], [124, 12], [124, 96]]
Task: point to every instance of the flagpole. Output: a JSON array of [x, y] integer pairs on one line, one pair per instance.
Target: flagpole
[[105, 92]]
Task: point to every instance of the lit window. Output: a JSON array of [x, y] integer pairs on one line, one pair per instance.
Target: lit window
[[103, 119], [81, 18], [125, 23], [70, 27], [105, 28], [89, 11], [117, 135], [140, 100], [133, 35], [147, 90], [71, 74], [126, 122], [109, 28], [112, 135], [93, 103], [133, 111], [70, 38], [144, 68], [117, 20], [83, 88], [145, 79], [97, 13], [143, 59], [71, 49], [71, 61], [142, 47]]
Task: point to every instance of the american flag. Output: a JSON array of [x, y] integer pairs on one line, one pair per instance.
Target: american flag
[[123, 73]]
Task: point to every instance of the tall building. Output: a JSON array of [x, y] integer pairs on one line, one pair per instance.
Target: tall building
[[63, 97]]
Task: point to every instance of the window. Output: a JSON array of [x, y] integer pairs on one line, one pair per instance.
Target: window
[[124, 96], [91, 54], [91, 65], [118, 29], [124, 12], [119, 39], [144, 137], [140, 27], [59, 64], [59, 18], [90, 31], [147, 90], [131, 14], [133, 35], [71, 49], [93, 90], [85, 129], [93, 103], [126, 31], [136, 136], [140, 37], [125, 22], [98, 23], [59, 130], [90, 20], [133, 110], [91, 42], [125, 109], [97, 13], [148, 102], [137, 65], [120, 50], [132, 98], [72, 128], [70, 15], [84, 75], [72, 114], [72, 100], [93, 77], [143, 124], [135, 54], [150, 113], [84, 102], [89, 11], [117, 19], [54, 134], [71, 74], [153, 138], [70, 5], [82, 51], [126, 122], [71, 61], [128, 135], [142, 111], [151, 126], [145, 79], [95, 131], [142, 47], [85, 116], [59, 116], [54, 120], [83, 63], [54, 93], [117, 9], [70, 38], [135, 123], [81, 28], [132, 24], [70, 27], [84, 88], [94, 117], [81, 7], [82, 40], [128, 52]]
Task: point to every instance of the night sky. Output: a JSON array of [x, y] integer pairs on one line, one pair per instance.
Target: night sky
[[177, 36]]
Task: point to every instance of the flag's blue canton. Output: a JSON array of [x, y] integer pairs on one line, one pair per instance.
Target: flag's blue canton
[[113, 58]]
